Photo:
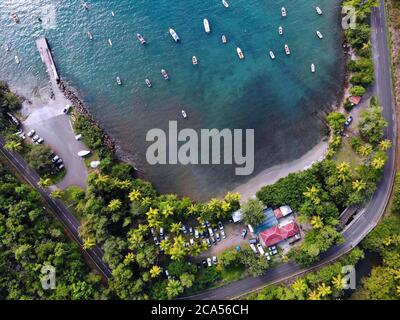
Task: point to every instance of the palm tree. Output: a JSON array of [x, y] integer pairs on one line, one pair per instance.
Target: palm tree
[[312, 194], [124, 184], [174, 288], [114, 205], [385, 145], [134, 195], [316, 222], [358, 185], [88, 243], [378, 162], [176, 227], [165, 246], [338, 282], [314, 295], [13, 146], [168, 211], [299, 286], [324, 290], [344, 171], [101, 180], [365, 150], [146, 202], [44, 182], [57, 194], [226, 206], [130, 257], [155, 271]]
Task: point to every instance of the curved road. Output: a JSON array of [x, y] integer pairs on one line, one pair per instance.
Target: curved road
[[61, 212], [369, 217]]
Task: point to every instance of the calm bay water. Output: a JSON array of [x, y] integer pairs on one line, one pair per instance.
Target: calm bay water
[[279, 98]]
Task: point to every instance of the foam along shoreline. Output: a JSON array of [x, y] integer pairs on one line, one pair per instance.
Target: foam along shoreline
[[271, 175]]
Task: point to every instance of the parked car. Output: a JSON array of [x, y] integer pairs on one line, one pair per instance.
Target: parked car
[[156, 241], [59, 161], [253, 247], [31, 133], [268, 257], [220, 225], [161, 232], [209, 262], [167, 274], [202, 234], [184, 229], [60, 167], [253, 241], [152, 231], [40, 140], [204, 262], [348, 122], [190, 230], [223, 234], [196, 234], [35, 138], [217, 237], [191, 242], [244, 233], [207, 223], [55, 159], [208, 242], [214, 259], [213, 240], [271, 248], [260, 249], [211, 232], [274, 252]]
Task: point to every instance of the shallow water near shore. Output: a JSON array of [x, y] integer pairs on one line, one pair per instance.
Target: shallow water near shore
[[281, 99]]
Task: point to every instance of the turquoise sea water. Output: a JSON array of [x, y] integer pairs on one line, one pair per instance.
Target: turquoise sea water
[[280, 99]]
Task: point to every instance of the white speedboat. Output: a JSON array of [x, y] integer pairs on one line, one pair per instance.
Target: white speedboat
[[272, 55], [6, 47], [225, 3], [17, 59], [184, 114], [240, 53], [119, 81], [15, 17], [113, 13], [174, 35], [83, 153], [319, 11], [224, 39], [287, 50], [280, 30], [319, 34], [148, 83], [283, 11], [164, 74], [194, 60], [206, 26], [90, 35], [313, 68], [109, 42], [140, 38]]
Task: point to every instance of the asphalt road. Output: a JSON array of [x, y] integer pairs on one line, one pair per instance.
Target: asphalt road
[[66, 218], [369, 217]]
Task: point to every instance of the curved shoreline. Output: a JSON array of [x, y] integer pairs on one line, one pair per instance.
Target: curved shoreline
[[271, 175]]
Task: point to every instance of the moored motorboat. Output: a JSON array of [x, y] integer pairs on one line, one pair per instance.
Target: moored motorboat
[[319, 11], [15, 17], [224, 39], [272, 55], [184, 114], [119, 81], [240, 53], [287, 50], [283, 11], [225, 3], [140, 38], [194, 60], [313, 68], [319, 34], [206, 26], [17, 59], [280, 30], [113, 13], [85, 6], [164, 74], [6, 47], [90, 35], [174, 35], [109, 42], [148, 82]]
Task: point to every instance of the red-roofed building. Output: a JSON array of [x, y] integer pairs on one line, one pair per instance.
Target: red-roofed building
[[355, 100], [277, 234]]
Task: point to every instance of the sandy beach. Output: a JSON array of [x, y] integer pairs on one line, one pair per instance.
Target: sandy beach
[[273, 174]]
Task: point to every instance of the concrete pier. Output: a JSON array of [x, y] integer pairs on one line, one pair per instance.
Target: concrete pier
[[47, 59]]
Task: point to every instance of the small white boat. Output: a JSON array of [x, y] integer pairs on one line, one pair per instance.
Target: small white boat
[[240, 53], [174, 35], [113, 13], [287, 50], [319, 34], [17, 59], [224, 39], [119, 81], [164, 74], [140, 38], [272, 55], [225, 3], [280, 30], [85, 6], [90, 35], [206, 26], [148, 83], [109, 42], [78, 137], [313, 68], [83, 153], [194, 60], [319, 11], [6, 47], [15, 18], [184, 114], [283, 11]]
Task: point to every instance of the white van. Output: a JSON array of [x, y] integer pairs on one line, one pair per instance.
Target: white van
[[261, 249], [210, 230], [253, 247]]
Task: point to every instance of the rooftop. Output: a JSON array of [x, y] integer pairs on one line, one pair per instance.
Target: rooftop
[[279, 233]]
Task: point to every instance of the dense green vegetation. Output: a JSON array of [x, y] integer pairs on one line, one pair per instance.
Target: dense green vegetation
[[29, 240], [9, 103]]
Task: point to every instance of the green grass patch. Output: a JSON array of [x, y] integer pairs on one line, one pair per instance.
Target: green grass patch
[[347, 153]]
